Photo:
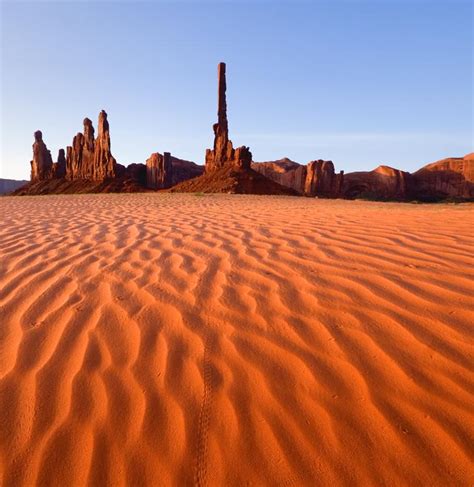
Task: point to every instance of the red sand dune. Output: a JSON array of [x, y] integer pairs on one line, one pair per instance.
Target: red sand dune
[[169, 339]]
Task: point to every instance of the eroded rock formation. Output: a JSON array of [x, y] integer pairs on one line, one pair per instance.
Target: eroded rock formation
[[86, 169], [89, 166], [383, 183], [90, 158], [74, 157], [159, 171], [228, 170], [223, 153], [322, 180], [317, 178], [104, 162], [42, 163], [283, 171], [451, 178]]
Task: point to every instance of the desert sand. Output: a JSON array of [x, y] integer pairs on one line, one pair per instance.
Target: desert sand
[[225, 340]]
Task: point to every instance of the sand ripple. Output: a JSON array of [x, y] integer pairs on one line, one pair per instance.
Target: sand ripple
[[166, 339]]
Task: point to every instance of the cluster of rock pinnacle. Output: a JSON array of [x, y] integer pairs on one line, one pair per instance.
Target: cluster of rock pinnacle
[[226, 169]]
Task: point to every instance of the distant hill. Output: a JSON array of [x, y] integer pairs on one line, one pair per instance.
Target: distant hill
[[9, 185]]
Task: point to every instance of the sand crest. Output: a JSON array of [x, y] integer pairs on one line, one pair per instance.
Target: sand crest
[[168, 339]]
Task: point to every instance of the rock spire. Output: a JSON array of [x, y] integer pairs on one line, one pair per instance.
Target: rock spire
[[42, 163], [223, 153], [90, 158]]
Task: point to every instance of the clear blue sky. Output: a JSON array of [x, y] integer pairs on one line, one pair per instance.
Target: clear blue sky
[[359, 82]]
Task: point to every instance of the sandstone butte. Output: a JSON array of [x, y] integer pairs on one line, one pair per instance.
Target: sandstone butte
[[89, 166]]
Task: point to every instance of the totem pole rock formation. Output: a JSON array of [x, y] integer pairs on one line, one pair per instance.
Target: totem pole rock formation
[[228, 170], [42, 163], [223, 153], [88, 158], [86, 169], [159, 171], [321, 179]]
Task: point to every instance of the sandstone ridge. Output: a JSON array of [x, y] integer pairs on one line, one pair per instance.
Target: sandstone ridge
[[451, 178]]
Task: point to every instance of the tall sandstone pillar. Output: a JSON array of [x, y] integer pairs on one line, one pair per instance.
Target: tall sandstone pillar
[[104, 164], [80, 156], [42, 163], [74, 158], [90, 158], [223, 153], [86, 169]]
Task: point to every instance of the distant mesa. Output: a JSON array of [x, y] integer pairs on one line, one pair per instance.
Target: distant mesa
[[9, 185], [88, 165]]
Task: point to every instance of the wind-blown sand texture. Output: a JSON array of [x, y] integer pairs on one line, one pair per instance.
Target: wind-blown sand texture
[[169, 339]]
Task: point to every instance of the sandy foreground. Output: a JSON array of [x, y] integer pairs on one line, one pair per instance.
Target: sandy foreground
[[167, 339]]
